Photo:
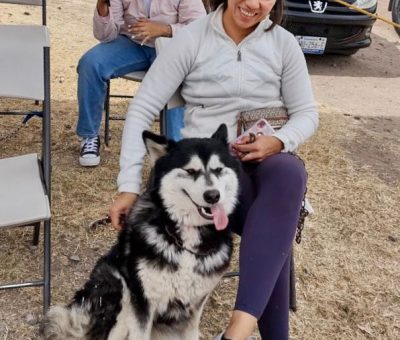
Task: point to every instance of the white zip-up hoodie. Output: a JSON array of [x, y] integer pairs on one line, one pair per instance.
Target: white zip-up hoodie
[[219, 80]]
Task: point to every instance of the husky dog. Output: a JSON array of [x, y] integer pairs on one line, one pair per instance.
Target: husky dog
[[172, 252]]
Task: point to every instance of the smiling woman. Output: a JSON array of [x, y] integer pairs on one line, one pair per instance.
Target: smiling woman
[[236, 59]]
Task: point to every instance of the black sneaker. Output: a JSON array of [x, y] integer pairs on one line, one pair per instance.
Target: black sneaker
[[90, 151]]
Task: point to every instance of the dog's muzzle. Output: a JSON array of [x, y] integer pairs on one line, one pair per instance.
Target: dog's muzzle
[[216, 212]]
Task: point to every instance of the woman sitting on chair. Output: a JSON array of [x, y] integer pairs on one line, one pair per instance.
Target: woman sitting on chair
[[237, 59], [126, 30]]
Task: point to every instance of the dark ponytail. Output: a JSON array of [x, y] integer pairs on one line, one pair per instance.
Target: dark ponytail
[[276, 14]]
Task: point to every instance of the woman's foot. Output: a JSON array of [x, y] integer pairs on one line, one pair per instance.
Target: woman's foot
[[241, 326], [221, 337]]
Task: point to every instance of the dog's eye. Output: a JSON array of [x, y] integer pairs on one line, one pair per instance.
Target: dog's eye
[[217, 171], [191, 172]]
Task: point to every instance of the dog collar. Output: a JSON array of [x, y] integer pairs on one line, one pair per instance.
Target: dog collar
[[178, 243]]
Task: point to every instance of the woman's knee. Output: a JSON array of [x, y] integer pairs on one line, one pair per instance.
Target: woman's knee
[[285, 168]]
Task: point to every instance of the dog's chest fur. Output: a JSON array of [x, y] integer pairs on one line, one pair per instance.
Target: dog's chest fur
[[184, 287], [176, 291]]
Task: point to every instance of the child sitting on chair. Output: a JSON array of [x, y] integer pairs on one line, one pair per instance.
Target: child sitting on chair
[[126, 31]]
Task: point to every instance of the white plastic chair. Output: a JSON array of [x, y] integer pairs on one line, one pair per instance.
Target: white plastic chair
[[25, 180]]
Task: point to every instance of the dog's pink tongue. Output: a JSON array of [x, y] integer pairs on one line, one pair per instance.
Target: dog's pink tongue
[[219, 215]]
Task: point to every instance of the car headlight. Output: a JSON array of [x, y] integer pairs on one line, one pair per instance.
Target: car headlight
[[365, 3]]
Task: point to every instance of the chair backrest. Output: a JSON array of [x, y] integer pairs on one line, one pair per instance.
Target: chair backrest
[[25, 71], [24, 2], [30, 3], [22, 51], [21, 61]]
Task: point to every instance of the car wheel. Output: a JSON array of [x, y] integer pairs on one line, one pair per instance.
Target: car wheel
[[396, 14]]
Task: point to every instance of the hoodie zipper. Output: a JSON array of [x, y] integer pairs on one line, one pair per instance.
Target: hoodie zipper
[[240, 71]]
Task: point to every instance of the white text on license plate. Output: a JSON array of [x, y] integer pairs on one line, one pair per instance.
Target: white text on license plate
[[312, 45]]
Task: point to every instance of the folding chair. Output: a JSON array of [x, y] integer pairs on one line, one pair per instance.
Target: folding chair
[[136, 76], [25, 180]]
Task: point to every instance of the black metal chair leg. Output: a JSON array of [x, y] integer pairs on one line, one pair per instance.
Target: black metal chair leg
[[231, 274], [163, 121], [36, 232], [47, 266], [107, 115]]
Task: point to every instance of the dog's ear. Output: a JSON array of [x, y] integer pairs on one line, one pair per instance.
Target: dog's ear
[[221, 134], [156, 145]]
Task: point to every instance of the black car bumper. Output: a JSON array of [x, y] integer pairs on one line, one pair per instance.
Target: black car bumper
[[346, 30]]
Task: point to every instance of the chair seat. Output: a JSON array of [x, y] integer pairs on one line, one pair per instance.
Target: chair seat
[[23, 199], [135, 76]]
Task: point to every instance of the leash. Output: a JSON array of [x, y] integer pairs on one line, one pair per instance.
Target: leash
[[178, 243], [303, 211], [100, 223], [10, 134], [373, 15]]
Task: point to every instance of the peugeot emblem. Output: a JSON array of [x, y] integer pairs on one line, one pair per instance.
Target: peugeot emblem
[[318, 6]]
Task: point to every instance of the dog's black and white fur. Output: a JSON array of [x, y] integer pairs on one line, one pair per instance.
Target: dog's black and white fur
[[154, 282]]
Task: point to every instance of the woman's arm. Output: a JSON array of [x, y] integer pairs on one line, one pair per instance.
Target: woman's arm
[[161, 81], [297, 97], [107, 20], [163, 78]]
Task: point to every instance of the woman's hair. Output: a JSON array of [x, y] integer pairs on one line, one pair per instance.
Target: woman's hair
[[276, 14]]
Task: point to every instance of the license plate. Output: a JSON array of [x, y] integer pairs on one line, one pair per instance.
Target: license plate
[[311, 45]]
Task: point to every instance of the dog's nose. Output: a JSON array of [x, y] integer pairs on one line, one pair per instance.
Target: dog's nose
[[211, 196]]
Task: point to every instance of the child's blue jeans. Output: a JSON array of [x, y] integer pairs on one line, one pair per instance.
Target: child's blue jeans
[[106, 61]]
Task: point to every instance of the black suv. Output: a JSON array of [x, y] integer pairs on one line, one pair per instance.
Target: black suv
[[328, 27]]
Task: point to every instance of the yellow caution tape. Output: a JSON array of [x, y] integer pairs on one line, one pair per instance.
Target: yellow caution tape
[[344, 3]]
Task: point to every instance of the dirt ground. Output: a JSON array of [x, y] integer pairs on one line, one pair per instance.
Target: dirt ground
[[348, 262]]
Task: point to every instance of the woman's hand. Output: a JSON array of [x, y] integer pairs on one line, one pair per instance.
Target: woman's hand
[[144, 29], [121, 208], [102, 7], [257, 151]]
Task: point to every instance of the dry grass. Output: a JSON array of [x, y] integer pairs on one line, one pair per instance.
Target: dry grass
[[347, 265]]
